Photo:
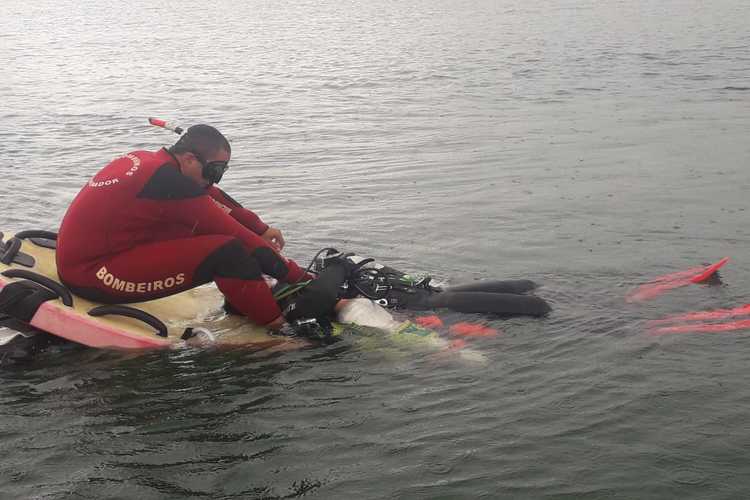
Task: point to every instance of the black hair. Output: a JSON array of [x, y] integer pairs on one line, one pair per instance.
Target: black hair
[[202, 139]]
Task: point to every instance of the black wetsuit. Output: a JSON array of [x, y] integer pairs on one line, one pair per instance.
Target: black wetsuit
[[507, 298], [393, 289]]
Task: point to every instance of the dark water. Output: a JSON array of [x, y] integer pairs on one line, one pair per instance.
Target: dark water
[[588, 145]]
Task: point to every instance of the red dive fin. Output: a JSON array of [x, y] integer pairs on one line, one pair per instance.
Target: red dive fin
[[704, 315], [729, 326], [701, 321], [667, 282], [710, 271]]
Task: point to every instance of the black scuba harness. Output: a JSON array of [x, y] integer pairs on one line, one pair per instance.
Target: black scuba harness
[[308, 306], [379, 284], [375, 282]]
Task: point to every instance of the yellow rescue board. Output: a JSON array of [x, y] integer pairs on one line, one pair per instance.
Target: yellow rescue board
[[199, 307]]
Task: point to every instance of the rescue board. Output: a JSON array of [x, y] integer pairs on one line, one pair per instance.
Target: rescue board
[[27, 262], [110, 326]]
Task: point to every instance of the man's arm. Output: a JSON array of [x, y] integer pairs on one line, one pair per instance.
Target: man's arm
[[247, 218], [204, 216]]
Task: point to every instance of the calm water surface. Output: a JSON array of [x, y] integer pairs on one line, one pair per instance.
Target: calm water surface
[[588, 145]]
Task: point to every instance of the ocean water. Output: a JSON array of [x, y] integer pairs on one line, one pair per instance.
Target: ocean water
[[587, 145]]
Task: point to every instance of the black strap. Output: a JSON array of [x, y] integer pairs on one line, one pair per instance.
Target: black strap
[[23, 298], [131, 312], [46, 239], [10, 250], [57, 288], [10, 254], [36, 233]]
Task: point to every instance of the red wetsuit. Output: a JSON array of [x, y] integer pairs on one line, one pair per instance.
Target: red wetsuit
[[140, 230]]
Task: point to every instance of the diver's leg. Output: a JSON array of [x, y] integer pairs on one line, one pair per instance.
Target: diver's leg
[[495, 286], [495, 303]]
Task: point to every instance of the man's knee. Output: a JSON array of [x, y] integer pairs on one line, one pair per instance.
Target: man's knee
[[271, 263], [230, 260]]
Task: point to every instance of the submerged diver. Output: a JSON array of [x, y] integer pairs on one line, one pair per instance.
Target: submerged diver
[[310, 307], [153, 224]]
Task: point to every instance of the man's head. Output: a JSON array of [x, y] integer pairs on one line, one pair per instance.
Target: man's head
[[203, 153]]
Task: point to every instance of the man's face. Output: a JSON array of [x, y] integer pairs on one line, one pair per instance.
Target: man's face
[[192, 166]]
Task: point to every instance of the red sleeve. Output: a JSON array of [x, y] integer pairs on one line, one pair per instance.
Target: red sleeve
[[204, 216], [244, 216]]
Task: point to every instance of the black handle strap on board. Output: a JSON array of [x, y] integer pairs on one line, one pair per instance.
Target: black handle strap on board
[[36, 233], [131, 312], [22, 299], [60, 291], [46, 239], [10, 254], [10, 251]]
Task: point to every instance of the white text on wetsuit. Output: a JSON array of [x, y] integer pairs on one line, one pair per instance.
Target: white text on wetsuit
[[135, 164], [143, 287]]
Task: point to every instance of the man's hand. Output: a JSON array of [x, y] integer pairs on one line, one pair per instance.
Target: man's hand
[[274, 237]]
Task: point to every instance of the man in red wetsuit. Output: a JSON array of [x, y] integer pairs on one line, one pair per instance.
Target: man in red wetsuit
[[152, 224]]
